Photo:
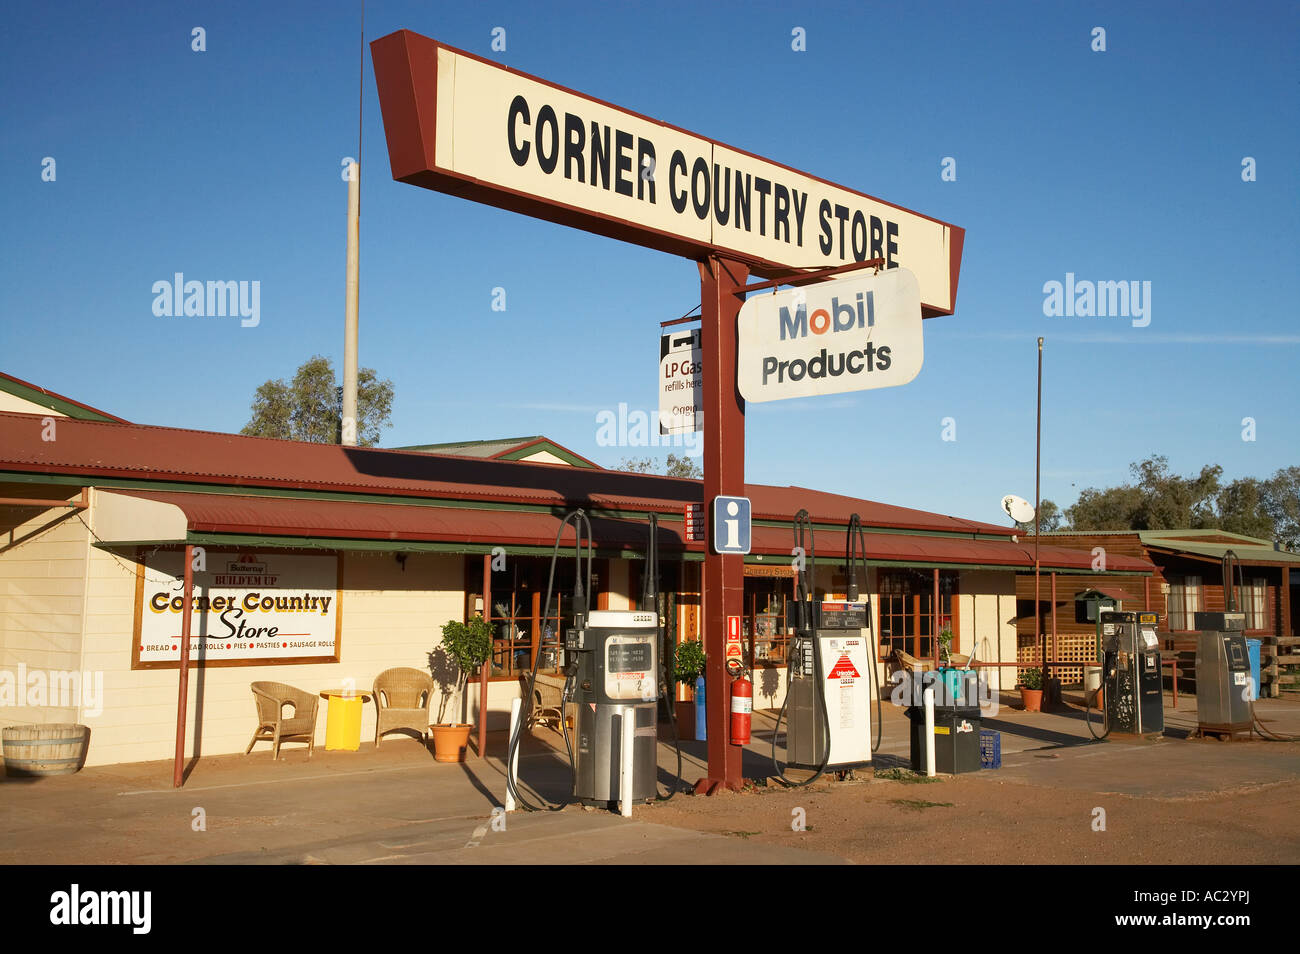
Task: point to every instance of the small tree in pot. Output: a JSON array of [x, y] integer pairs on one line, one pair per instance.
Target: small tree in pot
[[1031, 689], [688, 668], [467, 646]]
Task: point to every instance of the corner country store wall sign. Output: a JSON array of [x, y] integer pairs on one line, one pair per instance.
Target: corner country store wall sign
[[248, 610], [466, 126]]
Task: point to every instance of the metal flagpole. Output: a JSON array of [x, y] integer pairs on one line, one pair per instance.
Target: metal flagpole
[[348, 434], [1038, 503]]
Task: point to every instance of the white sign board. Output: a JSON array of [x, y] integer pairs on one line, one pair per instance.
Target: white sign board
[[848, 334], [247, 608], [845, 660], [681, 383], [470, 127]]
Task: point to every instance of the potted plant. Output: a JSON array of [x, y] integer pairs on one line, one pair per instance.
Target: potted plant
[[1031, 689], [945, 644], [466, 645], [688, 668]]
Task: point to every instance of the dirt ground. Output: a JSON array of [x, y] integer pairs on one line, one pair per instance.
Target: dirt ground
[[1057, 799], [974, 818]]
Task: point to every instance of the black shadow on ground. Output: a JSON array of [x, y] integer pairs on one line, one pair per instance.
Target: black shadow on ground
[[1036, 734]]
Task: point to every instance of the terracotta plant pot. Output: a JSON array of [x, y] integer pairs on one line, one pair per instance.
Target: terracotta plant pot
[[1031, 699], [450, 741], [685, 713]]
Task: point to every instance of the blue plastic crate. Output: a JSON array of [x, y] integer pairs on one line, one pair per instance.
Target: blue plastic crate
[[990, 749]]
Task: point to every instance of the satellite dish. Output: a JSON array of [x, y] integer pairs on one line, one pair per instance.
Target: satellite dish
[[1018, 509]]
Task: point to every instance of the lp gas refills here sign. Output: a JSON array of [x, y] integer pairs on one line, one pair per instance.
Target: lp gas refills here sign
[[849, 334], [681, 384]]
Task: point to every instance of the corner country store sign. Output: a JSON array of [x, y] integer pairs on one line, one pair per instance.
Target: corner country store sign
[[466, 126], [249, 610]]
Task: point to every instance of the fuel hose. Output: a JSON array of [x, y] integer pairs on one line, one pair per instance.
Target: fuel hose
[[581, 526], [803, 600]]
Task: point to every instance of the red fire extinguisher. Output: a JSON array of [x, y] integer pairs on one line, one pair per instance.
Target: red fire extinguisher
[[742, 705]]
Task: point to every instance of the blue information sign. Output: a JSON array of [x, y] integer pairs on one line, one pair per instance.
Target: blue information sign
[[731, 525]]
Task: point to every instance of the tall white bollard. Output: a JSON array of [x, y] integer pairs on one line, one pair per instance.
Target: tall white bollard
[[626, 763], [516, 706], [928, 700]]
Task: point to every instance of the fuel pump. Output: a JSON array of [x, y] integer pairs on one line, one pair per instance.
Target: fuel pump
[[803, 672], [1223, 704], [828, 730], [1131, 676], [1223, 667], [614, 674]]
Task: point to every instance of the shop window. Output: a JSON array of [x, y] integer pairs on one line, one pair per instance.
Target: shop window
[[1184, 601], [1253, 601], [906, 600], [521, 631], [764, 629]]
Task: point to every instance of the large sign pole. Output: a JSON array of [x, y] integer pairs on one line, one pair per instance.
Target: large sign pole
[[721, 294]]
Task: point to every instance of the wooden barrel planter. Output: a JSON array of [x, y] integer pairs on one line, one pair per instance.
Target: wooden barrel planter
[[34, 751]]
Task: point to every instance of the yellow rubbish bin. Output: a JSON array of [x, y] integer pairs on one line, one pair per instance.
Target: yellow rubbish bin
[[343, 724]]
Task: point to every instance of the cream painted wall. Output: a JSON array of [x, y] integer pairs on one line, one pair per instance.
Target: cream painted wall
[[986, 619], [545, 457], [11, 402], [617, 585], [42, 568], [391, 617]]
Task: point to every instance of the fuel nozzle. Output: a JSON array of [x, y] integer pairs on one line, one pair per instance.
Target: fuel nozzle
[[854, 537]]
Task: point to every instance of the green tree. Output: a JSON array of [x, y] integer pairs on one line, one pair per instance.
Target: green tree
[[1049, 518], [1281, 501], [682, 467], [675, 466], [1241, 509], [637, 465], [311, 407], [1160, 500], [1171, 502], [1114, 508]]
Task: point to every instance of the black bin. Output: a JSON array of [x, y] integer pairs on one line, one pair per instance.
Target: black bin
[[956, 728]]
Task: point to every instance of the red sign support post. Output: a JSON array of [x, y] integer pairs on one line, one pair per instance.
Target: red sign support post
[[722, 284]]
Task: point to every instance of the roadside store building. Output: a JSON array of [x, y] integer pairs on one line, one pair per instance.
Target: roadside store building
[[1187, 579], [325, 565]]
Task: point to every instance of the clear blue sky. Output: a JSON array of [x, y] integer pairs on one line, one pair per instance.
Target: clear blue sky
[[1116, 165]]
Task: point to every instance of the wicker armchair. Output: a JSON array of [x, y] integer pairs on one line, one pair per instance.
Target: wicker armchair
[[546, 699], [402, 698], [272, 724], [912, 663]]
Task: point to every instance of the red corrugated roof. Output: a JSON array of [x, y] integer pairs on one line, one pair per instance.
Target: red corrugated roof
[[313, 519], [134, 451]]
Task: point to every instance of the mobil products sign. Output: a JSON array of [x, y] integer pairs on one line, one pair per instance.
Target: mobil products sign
[[848, 334]]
